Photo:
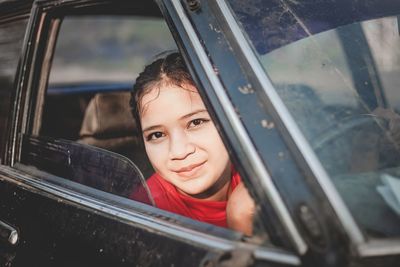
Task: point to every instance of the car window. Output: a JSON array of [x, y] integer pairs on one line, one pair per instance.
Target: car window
[[338, 76], [11, 37], [95, 62], [96, 54], [86, 104]]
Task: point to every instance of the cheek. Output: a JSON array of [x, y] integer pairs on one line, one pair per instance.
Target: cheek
[[157, 154], [212, 142], [218, 157]]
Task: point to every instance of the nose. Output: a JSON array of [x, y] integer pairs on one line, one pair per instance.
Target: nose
[[180, 146]]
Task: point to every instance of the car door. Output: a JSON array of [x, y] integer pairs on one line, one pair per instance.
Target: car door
[[339, 215], [65, 203]]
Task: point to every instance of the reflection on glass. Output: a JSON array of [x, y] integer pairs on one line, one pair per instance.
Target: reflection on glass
[[339, 78]]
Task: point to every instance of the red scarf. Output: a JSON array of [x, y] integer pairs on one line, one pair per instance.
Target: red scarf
[[167, 197]]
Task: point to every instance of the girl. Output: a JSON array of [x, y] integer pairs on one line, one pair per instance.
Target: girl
[[193, 174]]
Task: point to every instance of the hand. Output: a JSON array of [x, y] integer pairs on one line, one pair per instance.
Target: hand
[[240, 210]]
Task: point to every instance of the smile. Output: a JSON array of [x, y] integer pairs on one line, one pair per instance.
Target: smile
[[190, 170]]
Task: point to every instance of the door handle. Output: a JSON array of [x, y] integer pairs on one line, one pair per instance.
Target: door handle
[[8, 234]]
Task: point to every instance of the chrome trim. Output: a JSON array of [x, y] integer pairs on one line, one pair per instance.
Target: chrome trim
[[309, 156], [379, 247], [146, 221], [13, 238], [275, 256], [240, 131], [8, 234]]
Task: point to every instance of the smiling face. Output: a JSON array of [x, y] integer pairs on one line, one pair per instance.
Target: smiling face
[[182, 142]]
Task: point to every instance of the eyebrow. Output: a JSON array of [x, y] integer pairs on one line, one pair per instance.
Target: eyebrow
[[193, 113], [153, 127]]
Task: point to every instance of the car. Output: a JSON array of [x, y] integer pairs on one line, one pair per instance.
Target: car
[[303, 93]]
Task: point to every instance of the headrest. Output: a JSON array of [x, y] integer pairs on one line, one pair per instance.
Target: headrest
[[108, 122]]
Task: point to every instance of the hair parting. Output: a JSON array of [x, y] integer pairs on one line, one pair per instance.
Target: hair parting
[[169, 70]]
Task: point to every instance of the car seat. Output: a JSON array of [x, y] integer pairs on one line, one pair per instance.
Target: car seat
[[109, 124]]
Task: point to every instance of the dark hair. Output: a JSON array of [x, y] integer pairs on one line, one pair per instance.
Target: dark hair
[[164, 71]]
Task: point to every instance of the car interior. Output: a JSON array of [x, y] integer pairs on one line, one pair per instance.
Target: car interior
[[87, 99], [86, 132]]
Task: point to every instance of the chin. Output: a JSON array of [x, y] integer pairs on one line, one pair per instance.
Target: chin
[[190, 190], [200, 189]]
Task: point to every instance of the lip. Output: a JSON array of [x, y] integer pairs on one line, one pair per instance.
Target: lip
[[190, 170]]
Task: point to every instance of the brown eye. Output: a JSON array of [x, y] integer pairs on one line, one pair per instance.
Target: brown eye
[[155, 135], [197, 122]]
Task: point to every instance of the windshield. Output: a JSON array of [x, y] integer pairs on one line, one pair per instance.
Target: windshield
[[336, 66]]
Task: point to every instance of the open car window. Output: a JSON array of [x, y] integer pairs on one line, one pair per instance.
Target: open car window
[[86, 117], [83, 131], [96, 60]]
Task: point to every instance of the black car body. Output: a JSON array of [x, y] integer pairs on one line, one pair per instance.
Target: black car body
[[304, 94]]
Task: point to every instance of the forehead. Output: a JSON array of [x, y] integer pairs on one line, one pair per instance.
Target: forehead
[[171, 100]]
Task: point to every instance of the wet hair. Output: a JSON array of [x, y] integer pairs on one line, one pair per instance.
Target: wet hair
[[169, 70]]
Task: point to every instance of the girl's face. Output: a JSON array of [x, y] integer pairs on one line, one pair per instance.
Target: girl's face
[[182, 142]]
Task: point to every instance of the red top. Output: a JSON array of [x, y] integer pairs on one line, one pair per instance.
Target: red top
[[167, 197]]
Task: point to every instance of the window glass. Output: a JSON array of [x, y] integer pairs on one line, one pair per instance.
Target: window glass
[[87, 165], [11, 39], [338, 75]]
